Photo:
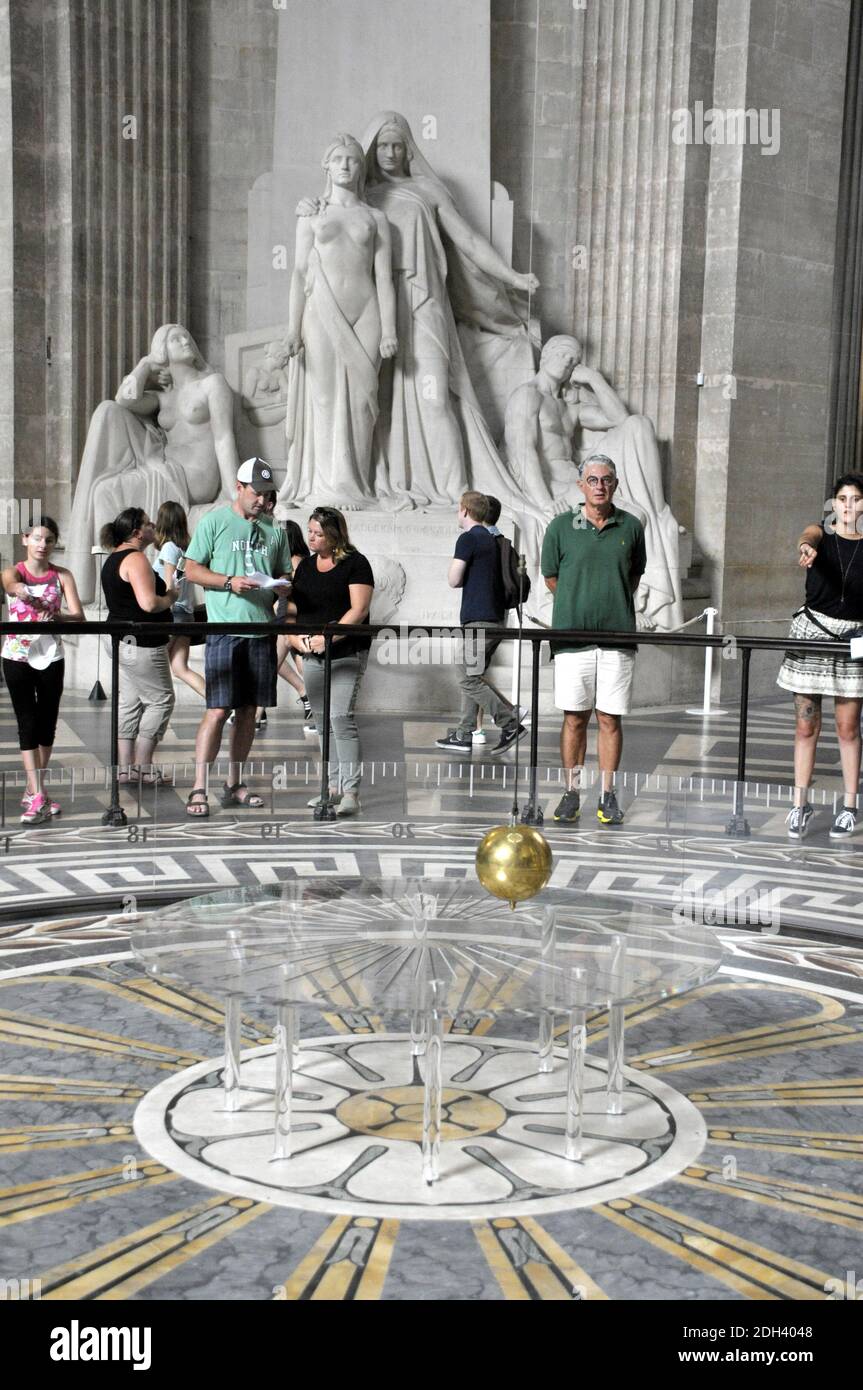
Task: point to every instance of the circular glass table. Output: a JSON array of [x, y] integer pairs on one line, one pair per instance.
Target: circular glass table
[[432, 950]]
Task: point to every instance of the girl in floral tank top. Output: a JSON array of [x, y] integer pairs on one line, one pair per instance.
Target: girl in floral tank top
[[33, 665]]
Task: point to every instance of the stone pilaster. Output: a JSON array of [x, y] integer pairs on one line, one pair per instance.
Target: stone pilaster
[[130, 101], [771, 232], [599, 186]]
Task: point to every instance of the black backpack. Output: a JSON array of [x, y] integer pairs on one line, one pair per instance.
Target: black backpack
[[510, 577]]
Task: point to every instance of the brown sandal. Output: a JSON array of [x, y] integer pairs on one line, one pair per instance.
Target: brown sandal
[[191, 806]]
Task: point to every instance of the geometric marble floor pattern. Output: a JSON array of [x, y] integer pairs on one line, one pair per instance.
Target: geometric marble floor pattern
[[770, 1055]]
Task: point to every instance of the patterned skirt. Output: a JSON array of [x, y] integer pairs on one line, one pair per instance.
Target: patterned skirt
[[813, 674]]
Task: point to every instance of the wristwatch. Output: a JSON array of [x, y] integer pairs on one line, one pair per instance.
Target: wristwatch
[[227, 584]]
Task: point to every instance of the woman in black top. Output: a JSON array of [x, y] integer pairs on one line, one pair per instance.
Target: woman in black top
[[133, 591], [832, 555], [334, 585]]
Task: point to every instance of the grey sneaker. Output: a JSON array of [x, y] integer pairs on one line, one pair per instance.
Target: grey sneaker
[[568, 808], [608, 812], [335, 798], [349, 804], [798, 819], [845, 824]]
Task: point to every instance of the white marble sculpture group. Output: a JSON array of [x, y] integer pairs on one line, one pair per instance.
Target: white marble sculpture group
[[400, 318]]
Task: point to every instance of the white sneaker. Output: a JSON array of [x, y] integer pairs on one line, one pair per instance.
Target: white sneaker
[[797, 820], [349, 804], [478, 736], [335, 797]]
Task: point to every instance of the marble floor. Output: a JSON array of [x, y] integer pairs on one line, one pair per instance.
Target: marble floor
[[769, 1054]]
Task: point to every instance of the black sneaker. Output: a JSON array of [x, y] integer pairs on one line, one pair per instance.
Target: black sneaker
[[845, 824], [455, 742], [608, 812], [568, 808], [508, 738], [797, 820]]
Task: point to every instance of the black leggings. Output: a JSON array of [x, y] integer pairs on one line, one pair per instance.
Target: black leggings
[[36, 701]]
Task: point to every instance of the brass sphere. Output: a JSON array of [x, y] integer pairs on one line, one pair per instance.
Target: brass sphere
[[513, 862]]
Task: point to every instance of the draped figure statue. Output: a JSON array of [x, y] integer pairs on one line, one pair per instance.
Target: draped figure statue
[[168, 436], [432, 439], [341, 324]]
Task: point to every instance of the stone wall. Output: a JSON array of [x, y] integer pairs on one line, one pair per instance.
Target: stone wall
[[233, 82]]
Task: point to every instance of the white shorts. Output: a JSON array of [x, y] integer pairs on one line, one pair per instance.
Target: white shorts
[[594, 679]]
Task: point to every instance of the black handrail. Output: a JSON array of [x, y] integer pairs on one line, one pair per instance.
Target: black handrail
[[746, 644]]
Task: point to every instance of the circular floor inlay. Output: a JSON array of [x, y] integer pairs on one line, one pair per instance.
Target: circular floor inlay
[[396, 1112], [357, 1115]]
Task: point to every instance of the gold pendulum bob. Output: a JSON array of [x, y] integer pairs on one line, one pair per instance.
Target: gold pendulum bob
[[513, 862]]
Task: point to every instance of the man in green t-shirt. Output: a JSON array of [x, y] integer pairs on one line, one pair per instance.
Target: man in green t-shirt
[[232, 554], [592, 560]]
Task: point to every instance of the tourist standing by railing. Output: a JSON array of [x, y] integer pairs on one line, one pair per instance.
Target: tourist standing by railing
[[290, 662], [34, 667], [135, 593], [235, 554], [593, 558], [172, 537], [832, 556], [334, 585]]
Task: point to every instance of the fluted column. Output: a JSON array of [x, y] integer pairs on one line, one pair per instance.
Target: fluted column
[[629, 182], [130, 115], [582, 139]]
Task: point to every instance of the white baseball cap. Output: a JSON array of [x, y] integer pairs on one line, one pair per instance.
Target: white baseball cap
[[256, 473]]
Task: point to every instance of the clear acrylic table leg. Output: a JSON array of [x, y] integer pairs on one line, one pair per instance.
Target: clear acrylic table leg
[[616, 1032], [231, 1075], [575, 1083], [545, 1044], [433, 1089], [418, 1034], [616, 1024], [286, 1028]]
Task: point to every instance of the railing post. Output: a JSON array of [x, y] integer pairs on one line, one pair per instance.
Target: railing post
[[533, 811], [326, 810], [115, 815], [738, 824]]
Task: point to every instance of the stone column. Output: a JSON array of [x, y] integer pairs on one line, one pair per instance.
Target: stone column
[[771, 229], [599, 185], [7, 261], [93, 155], [130, 120]]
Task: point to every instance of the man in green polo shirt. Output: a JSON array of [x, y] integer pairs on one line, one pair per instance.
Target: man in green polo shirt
[[592, 560], [234, 555]]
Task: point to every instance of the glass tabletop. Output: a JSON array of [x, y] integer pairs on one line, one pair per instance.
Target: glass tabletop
[[419, 944]]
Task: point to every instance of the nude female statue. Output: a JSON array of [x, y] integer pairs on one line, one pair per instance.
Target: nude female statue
[[168, 436], [342, 322]]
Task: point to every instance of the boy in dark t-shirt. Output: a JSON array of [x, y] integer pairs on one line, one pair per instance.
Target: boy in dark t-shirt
[[475, 569]]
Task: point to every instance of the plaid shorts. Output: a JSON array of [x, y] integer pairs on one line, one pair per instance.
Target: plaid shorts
[[240, 671]]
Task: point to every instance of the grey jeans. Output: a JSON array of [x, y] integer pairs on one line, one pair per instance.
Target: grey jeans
[[476, 691], [345, 687]]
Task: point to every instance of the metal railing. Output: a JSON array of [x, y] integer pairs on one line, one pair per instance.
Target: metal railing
[[535, 637]]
